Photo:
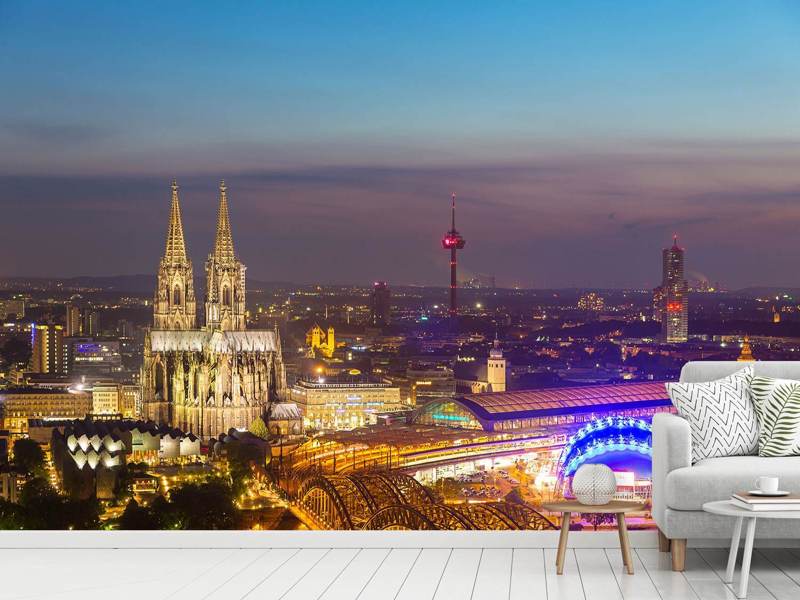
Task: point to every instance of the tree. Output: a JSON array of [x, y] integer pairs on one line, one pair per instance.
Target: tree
[[16, 351], [259, 428], [204, 506], [29, 457], [137, 517]]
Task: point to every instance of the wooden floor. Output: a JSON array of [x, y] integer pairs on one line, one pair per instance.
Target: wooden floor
[[408, 574]]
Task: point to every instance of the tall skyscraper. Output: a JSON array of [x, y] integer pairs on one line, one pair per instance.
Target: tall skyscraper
[[453, 241], [49, 352], [381, 304], [674, 296], [73, 320]]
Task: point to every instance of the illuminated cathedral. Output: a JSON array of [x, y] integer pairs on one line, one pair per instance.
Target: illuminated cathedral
[[208, 379]]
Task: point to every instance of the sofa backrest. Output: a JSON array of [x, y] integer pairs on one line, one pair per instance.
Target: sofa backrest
[[700, 370]]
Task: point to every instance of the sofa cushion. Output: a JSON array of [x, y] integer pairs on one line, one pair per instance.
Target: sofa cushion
[[720, 414], [777, 406], [688, 488]]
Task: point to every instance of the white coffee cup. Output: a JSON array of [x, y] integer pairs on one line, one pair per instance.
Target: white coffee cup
[[767, 485]]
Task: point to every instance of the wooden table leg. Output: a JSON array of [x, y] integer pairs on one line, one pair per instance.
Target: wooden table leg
[[737, 533], [747, 554], [624, 543], [562, 543]]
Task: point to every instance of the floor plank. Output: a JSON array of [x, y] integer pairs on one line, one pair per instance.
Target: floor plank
[[425, 575], [784, 560], [355, 576], [528, 580], [196, 587], [670, 585], [597, 577], [390, 576], [458, 579], [638, 586], [321, 576], [563, 587], [704, 581], [493, 579], [253, 574], [288, 574], [779, 584], [717, 558]]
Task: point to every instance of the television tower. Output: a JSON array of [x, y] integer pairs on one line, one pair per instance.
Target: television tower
[[453, 241]]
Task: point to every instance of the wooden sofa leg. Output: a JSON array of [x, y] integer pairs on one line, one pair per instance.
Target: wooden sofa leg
[[678, 554], [663, 542]]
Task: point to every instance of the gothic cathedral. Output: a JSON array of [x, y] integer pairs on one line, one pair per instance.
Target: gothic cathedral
[[221, 376]]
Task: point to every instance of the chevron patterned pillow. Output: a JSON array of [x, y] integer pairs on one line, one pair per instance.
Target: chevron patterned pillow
[[720, 413]]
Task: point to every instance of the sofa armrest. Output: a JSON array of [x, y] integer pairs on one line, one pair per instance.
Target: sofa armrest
[[672, 449]]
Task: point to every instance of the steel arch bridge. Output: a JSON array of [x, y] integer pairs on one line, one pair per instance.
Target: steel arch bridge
[[603, 436], [390, 500]]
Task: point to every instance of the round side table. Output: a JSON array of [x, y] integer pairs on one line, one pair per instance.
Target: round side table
[[726, 508], [616, 507]]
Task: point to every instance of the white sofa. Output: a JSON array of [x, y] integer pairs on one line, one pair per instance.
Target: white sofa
[[680, 488]]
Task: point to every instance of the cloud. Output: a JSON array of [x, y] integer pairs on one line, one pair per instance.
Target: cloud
[[58, 134]]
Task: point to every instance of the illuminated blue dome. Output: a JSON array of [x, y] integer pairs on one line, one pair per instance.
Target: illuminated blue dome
[[602, 437]]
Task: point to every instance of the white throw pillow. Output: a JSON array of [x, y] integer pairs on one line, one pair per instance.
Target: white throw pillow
[[720, 413]]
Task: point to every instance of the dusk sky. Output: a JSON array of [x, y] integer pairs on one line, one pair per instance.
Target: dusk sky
[[579, 137]]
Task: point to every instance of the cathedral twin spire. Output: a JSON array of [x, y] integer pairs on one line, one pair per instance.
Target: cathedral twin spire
[[174, 303]]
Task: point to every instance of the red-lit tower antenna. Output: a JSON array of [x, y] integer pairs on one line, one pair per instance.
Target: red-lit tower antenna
[[453, 241]]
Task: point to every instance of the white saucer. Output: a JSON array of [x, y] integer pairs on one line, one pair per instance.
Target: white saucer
[[768, 494]]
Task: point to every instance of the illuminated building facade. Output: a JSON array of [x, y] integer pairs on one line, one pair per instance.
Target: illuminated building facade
[[380, 304], [345, 402], [49, 354], [72, 320], [546, 410], [17, 405], [93, 357], [14, 307], [207, 380], [319, 343], [674, 296]]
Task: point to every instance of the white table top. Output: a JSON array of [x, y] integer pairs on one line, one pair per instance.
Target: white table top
[[728, 509]]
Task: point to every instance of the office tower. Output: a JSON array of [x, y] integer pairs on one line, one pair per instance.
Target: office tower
[[675, 296], [381, 304], [453, 241], [72, 320], [91, 322], [48, 354]]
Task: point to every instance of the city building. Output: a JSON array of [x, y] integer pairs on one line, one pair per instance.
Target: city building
[[91, 322], [380, 304], [207, 380], [496, 369], [477, 377], [88, 454], [48, 354], [546, 410], [93, 356], [18, 405], [423, 383], [12, 307], [344, 402], [592, 303], [111, 398], [319, 343], [72, 320], [673, 296]]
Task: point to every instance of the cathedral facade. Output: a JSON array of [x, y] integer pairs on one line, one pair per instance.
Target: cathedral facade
[[208, 379]]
